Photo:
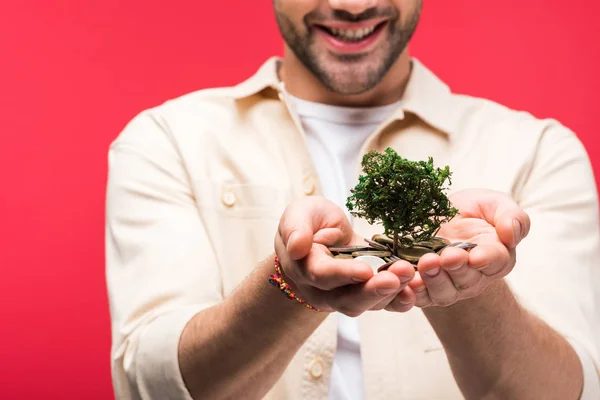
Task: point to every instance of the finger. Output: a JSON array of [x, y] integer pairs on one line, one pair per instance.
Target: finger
[[324, 272], [405, 273], [439, 286], [450, 258], [492, 260], [511, 222], [513, 226], [353, 300], [404, 270], [297, 239], [385, 302], [404, 301], [422, 298], [287, 264], [336, 236], [465, 278], [327, 236], [304, 218], [455, 263]]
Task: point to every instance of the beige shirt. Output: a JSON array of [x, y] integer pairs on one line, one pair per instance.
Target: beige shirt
[[197, 185]]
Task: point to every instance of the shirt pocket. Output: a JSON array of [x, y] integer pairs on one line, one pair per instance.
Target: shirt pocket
[[241, 220]]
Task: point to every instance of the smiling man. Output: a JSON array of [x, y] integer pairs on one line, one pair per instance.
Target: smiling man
[[199, 187], [348, 51]]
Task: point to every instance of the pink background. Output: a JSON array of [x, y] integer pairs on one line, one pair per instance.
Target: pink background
[[74, 72]]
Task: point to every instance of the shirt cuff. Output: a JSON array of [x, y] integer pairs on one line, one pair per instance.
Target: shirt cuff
[[591, 380], [157, 372]]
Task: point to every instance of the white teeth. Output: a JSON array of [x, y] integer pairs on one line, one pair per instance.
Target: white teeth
[[352, 34]]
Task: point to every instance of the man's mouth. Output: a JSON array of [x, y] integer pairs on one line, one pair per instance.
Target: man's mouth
[[350, 38], [351, 34]]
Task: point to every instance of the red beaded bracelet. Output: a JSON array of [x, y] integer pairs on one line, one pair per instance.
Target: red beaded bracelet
[[277, 280]]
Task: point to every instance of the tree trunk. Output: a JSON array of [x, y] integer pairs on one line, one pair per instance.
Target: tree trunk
[[396, 243]]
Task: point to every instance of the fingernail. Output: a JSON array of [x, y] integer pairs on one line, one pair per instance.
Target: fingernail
[[358, 280], [419, 289], [433, 271], [404, 301], [455, 268], [517, 230], [385, 292], [404, 279]]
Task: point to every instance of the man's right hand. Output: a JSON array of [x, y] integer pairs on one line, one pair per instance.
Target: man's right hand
[[307, 227]]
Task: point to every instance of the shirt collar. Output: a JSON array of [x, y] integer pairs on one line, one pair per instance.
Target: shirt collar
[[425, 96], [429, 98], [266, 77]]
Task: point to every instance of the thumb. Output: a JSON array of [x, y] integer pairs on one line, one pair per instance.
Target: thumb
[[511, 222], [310, 220], [299, 242], [512, 227], [499, 210]]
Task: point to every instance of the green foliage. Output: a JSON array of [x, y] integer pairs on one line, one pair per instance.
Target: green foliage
[[407, 197]]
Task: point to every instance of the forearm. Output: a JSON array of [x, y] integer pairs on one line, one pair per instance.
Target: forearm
[[240, 348], [497, 350]]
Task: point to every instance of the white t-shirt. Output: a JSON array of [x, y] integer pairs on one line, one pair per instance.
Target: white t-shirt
[[335, 136]]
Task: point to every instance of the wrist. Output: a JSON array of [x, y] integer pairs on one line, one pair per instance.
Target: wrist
[[461, 324], [281, 281], [496, 295], [277, 304]]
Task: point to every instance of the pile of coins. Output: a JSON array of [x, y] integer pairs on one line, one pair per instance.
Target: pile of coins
[[382, 246]]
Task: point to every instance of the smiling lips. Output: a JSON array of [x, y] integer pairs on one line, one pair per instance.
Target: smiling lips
[[350, 37]]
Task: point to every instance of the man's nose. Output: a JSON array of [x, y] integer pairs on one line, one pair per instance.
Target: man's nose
[[352, 6]]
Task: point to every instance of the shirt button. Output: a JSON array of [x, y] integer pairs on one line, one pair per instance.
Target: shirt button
[[316, 368], [309, 185], [228, 198]]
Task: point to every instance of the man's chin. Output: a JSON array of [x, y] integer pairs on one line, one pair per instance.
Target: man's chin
[[349, 79], [346, 87]]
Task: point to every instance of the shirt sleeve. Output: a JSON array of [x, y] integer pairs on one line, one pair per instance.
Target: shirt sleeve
[[160, 266], [591, 380], [557, 276]]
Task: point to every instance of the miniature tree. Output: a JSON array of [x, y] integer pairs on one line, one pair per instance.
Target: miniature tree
[[407, 197]]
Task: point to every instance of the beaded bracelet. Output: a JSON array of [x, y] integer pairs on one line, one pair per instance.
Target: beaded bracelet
[[277, 280]]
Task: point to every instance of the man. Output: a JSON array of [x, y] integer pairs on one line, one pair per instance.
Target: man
[[199, 186]]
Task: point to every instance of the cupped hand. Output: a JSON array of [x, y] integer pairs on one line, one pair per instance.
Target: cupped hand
[[310, 225], [493, 221]]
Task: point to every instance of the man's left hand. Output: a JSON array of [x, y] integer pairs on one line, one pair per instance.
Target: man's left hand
[[496, 224]]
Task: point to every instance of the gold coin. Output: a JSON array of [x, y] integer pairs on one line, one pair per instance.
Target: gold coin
[[414, 253], [375, 253], [344, 257]]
